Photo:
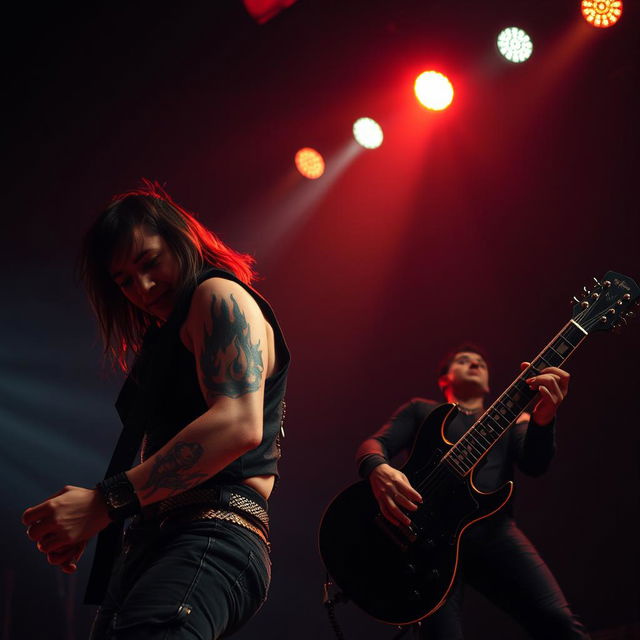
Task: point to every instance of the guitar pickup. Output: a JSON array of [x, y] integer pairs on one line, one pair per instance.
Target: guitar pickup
[[402, 535]]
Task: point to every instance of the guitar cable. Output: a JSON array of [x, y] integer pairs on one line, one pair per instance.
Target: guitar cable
[[330, 604]]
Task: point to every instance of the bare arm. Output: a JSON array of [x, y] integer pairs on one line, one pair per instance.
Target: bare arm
[[228, 333]]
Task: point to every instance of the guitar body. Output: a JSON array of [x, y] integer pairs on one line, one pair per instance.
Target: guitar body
[[401, 575]]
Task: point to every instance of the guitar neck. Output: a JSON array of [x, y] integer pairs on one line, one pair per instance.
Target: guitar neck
[[498, 418]]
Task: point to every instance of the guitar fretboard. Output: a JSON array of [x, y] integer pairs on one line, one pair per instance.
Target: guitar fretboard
[[496, 420]]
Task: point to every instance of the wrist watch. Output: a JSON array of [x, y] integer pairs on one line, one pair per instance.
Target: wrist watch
[[120, 497]]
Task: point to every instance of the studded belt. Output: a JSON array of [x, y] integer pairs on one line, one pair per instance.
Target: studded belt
[[195, 514], [209, 503]]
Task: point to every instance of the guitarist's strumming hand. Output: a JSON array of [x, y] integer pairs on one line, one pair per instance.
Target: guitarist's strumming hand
[[393, 492], [552, 385]]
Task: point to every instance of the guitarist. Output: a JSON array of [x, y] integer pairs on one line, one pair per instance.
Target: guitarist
[[496, 558]]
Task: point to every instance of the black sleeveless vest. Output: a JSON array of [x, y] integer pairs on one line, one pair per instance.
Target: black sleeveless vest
[[162, 396]]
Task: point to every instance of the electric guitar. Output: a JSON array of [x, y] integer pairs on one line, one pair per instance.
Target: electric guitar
[[400, 575]]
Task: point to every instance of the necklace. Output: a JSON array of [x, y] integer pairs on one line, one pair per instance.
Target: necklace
[[468, 412]]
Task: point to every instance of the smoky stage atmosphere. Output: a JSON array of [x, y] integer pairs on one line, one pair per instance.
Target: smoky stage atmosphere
[[473, 211]]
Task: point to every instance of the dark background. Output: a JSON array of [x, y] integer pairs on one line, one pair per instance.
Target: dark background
[[479, 222]]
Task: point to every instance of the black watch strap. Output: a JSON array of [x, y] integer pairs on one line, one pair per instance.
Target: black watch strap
[[120, 497]]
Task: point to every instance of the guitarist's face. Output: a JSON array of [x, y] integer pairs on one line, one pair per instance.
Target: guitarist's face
[[468, 374]]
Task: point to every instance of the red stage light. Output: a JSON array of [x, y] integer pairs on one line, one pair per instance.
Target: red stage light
[[602, 13], [433, 90], [309, 163], [263, 10]]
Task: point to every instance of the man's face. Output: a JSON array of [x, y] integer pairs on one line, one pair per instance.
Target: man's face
[[467, 372]]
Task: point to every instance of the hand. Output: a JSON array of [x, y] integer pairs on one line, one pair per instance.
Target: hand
[[552, 385], [65, 520], [393, 492], [66, 559]]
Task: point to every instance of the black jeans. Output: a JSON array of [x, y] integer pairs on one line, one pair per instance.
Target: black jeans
[[196, 581], [500, 562]]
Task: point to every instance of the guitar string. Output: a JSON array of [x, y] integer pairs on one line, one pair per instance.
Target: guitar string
[[436, 478]]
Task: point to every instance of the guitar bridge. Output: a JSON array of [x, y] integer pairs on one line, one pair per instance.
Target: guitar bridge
[[402, 535]]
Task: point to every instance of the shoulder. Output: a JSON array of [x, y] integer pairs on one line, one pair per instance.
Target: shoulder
[[214, 293], [218, 286], [221, 302], [423, 404], [419, 407]]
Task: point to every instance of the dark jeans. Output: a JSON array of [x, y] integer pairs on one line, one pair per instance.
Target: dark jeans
[[196, 581], [498, 560]]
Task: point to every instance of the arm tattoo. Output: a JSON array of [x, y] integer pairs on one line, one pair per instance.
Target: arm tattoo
[[244, 373], [169, 470]]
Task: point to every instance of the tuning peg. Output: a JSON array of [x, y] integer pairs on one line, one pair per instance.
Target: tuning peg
[[596, 281], [606, 284]]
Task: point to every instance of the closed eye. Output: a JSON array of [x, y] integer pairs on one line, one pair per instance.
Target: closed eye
[[151, 263]]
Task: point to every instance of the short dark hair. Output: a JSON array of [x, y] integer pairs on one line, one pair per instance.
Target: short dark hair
[[445, 363], [123, 325]]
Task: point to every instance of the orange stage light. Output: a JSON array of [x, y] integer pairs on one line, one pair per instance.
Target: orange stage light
[[309, 163], [433, 90], [602, 13]]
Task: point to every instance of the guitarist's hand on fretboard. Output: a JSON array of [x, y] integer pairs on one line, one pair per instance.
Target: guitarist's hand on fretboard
[[402, 574], [553, 385], [393, 492]]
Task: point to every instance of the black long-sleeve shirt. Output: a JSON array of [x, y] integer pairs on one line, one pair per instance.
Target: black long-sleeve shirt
[[527, 445]]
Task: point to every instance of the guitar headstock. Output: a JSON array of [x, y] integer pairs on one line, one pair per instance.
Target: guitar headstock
[[607, 304]]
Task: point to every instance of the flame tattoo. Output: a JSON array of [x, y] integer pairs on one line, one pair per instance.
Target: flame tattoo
[[231, 365]]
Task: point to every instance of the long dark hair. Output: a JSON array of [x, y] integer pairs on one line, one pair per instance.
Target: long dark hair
[[123, 325]]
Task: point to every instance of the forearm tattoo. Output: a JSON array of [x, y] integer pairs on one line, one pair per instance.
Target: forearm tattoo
[[171, 470], [230, 373]]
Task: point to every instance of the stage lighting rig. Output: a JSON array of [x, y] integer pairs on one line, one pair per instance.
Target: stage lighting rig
[[433, 90], [602, 13], [368, 133], [309, 163], [515, 44]]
